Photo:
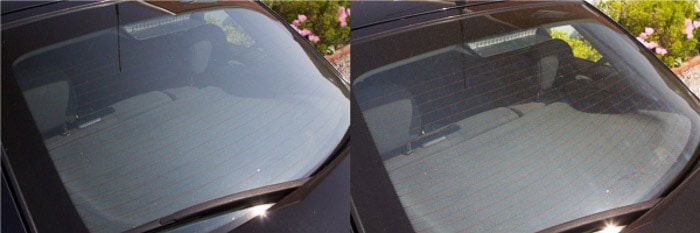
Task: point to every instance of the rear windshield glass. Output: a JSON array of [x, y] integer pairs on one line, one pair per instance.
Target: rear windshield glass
[[150, 117], [520, 120]]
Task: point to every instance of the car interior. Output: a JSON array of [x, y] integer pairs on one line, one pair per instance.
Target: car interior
[[144, 123], [515, 133]]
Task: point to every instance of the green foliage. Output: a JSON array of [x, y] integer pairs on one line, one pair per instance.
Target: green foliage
[[581, 49], [665, 17], [322, 20], [233, 35]]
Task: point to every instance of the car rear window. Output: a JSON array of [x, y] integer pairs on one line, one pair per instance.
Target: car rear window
[[146, 118], [521, 120]]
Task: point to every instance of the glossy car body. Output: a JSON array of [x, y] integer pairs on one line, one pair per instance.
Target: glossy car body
[[379, 31], [34, 198]]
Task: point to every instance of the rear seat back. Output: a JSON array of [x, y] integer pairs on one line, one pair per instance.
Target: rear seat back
[[100, 78], [94, 75], [454, 91], [501, 80], [448, 87]]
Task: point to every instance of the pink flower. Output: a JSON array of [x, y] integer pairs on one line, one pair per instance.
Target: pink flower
[[661, 51], [696, 24], [348, 13], [652, 45], [296, 22], [342, 15], [649, 45], [314, 38], [305, 32], [688, 29], [301, 18], [642, 36]]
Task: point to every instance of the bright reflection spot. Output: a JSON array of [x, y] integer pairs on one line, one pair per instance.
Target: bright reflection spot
[[260, 210], [611, 228]]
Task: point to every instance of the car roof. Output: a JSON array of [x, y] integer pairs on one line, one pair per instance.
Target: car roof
[[14, 6], [376, 17], [20, 12], [373, 12], [24, 10]]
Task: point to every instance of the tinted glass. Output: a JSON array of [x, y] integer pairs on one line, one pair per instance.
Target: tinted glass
[[150, 117], [520, 120]]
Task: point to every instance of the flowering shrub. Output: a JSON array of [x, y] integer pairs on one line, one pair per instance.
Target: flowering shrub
[[304, 32], [651, 45], [324, 23], [689, 26], [669, 28]]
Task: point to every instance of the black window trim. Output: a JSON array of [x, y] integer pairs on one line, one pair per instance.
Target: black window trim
[[40, 192]]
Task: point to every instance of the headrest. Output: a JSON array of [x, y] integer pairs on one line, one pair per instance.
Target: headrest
[[208, 32], [391, 114], [49, 96], [551, 56], [49, 105], [201, 52], [555, 47], [205, 40]]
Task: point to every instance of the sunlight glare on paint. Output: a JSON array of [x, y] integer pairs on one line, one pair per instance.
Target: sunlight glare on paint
[[611, 228], [260, 210]]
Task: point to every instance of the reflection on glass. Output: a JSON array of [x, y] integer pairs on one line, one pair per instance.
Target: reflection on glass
[[158, 115], [526, 119]]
